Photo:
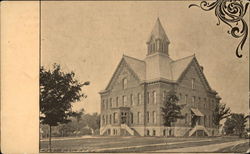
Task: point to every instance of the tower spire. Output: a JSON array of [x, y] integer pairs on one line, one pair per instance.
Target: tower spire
[[158, 40]]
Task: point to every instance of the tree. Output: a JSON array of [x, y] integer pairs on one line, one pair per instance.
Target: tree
[[58, 90], [78, 115], [171, 111], [235, 124], [220, 112]]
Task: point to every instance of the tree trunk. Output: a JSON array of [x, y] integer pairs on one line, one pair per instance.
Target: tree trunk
[[49, 138]]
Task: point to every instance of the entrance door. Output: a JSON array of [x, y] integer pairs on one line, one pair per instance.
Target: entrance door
[[124, 118]]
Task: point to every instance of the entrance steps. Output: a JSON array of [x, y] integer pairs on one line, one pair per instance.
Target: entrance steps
[[125, 130], [198, 128]]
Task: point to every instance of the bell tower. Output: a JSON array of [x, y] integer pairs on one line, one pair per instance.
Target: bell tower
[[158, 40], [157, 59]]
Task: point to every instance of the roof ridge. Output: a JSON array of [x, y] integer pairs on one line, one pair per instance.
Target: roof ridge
[[132, 58], [183, 58]]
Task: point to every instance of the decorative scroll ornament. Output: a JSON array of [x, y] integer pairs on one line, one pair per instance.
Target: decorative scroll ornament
[[231, 12]]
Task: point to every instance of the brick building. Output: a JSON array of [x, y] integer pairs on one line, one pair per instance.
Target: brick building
[[131, 103]]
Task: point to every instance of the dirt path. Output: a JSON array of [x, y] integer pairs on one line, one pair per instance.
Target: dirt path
[[206, 148], [140, 146]]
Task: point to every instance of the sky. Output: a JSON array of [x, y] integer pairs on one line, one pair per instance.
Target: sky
[[90, 38]]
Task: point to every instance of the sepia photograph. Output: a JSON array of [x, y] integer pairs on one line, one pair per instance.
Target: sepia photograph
[[144, 76]]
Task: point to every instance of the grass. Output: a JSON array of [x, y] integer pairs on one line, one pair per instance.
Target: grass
[[103, 144]]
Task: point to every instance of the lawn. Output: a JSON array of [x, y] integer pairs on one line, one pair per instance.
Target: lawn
[[129, 144]]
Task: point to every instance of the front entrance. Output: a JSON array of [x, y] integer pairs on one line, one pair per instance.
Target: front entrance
[[124, 118]]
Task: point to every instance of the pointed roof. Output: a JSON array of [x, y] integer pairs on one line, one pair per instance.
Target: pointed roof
[[158, 32], [138, 66], [179, 65], [176, 67]]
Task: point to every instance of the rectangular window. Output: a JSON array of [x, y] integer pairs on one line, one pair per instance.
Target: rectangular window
[[103, 104], [205, 103], [139, 98], [148, 96], [132, 99], [107, 104], [124, 100], [199, 102], [148, 117], [110, 102], [138, 117], [115, 117], [193, 83], [154, 117], [107, 118], [117, 101], [131, 118], [186, 118], [193, 101], [154, 97], [186, 99]]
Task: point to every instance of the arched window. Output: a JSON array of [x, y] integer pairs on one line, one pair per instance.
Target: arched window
[[148, 133], [154, 97], [125, 83]]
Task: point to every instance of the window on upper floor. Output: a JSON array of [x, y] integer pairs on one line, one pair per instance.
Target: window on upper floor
[[148, 117], [139, 98], [186, 99], [154, 117], [205, 103], [131, 118], [193, 101], [124, 100], [148, 96], [115, 117], [154, 97], [138, 117], [199, 102], [153, 47], [132, 99], [117, 101], [103, 104], [110, 102], [193, 83], [125, 83], [107, 104]]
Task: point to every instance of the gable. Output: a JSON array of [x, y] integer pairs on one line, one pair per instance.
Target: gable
[[122, 71], [193, 71]]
